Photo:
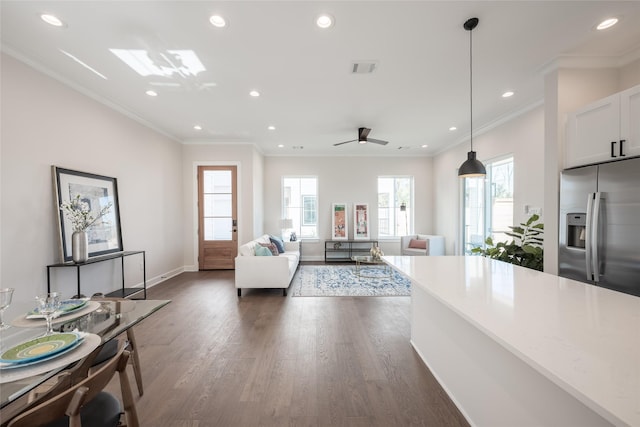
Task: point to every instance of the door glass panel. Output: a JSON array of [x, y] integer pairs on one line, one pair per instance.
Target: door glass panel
[[488, 205], [217, 205], [217, 182], [474, 211], [217, 228]]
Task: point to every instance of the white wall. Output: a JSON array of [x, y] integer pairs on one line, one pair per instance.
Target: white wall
[[349, 180], [249, 164], [45, 123], [522, 137]]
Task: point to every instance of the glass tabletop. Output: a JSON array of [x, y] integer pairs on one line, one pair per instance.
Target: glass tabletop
[[109, 320]]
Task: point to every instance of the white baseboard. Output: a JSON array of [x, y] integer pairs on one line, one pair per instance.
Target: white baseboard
[[151, 282]]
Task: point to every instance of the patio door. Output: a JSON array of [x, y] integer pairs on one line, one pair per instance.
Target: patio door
[[217, 217]]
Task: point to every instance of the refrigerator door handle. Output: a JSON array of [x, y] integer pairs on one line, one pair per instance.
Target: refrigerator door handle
[[588, 237], [594, 237]]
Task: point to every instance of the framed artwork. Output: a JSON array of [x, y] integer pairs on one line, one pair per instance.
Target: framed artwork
[[339, 224], [361, 221], [97, 193]]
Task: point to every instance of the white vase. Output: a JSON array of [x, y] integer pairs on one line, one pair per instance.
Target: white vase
[[79, 246]]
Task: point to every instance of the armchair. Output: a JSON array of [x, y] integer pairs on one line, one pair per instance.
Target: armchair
[[422, 244]]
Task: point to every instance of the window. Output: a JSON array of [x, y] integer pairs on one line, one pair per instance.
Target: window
[[488, 205], [300, 205], [395, 206], [309, 210]]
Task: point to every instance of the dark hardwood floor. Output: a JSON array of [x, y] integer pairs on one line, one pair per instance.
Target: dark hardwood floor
[[212, 359]]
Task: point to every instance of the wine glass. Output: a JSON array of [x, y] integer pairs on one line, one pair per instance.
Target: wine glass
[[5, 300], [48, 304]]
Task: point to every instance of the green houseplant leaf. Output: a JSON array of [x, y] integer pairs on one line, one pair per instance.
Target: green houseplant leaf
[[525, 249]]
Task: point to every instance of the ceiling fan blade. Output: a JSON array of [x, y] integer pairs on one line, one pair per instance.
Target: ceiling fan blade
[[346, 142], [377, 141], [363, 133]]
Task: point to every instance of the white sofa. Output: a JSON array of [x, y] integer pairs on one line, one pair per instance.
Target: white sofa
[[435, 245], [266, 271]]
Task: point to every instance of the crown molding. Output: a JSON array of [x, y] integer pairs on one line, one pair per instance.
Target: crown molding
[[505, 118], [582, 61]]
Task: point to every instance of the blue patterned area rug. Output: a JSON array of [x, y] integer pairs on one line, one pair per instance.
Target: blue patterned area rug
[[342, 281]]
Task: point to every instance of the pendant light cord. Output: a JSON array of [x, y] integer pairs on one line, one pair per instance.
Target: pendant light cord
[[471, 85]]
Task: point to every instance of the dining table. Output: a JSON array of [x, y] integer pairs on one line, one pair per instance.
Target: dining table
[[97, 322]]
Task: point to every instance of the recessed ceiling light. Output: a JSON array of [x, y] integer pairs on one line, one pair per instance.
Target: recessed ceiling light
[[52, 20], [271, 128], [280, 146], [507, 94], [324, 21], [453, 128], [197, 127], [424, 145], [151, 93], [607, 23], [218, 21], [254, 93]]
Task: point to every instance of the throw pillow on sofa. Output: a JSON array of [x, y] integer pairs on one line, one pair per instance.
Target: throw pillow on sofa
[[262, 251], [278, 242], [418, 244], [271, 247]]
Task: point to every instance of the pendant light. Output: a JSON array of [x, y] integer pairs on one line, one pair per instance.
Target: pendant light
[[472, 167]]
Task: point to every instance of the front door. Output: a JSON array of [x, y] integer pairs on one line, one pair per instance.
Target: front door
[[217, 217]]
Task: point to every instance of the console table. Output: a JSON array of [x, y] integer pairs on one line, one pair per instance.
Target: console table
[[343, 250], [121, 293]]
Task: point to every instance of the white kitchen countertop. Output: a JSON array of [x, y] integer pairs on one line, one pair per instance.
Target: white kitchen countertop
[[583, 338]]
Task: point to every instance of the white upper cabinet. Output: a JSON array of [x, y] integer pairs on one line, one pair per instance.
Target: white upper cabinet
[[630, 121], [608, 129]]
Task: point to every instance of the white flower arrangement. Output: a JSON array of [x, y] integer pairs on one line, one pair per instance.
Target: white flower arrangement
[[78, 212]]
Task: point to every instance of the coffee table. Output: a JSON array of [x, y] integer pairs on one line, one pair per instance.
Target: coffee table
[[370, 261]]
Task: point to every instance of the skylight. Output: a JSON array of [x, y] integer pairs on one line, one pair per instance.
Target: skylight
[[184, 63]]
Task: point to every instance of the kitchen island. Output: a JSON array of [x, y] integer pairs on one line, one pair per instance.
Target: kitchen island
[[517, 347]]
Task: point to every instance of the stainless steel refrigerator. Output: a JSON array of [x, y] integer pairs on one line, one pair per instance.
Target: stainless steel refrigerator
[[600, 225]]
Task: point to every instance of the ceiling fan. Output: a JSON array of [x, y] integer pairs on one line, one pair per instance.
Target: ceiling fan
[[363, 134]]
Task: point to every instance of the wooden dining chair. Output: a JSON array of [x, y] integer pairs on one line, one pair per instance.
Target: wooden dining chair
[[109, 350], [86, 404]]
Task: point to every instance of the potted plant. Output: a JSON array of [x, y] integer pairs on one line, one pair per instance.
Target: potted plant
[[525, 249]]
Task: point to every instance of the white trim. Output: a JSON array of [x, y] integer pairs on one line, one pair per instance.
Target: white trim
[[194, 203], [589, 62]]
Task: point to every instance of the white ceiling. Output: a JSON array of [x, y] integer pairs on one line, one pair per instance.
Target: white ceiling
[[419, 90]]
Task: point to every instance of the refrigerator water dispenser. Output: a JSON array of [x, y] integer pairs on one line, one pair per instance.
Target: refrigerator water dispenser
[[576, 230]]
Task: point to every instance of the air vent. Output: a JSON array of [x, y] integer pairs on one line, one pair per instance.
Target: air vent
[[298, 147], [403, 148], [364, 67]]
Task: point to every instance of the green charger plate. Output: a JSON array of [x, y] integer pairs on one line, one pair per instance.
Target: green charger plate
[[39, 348]]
